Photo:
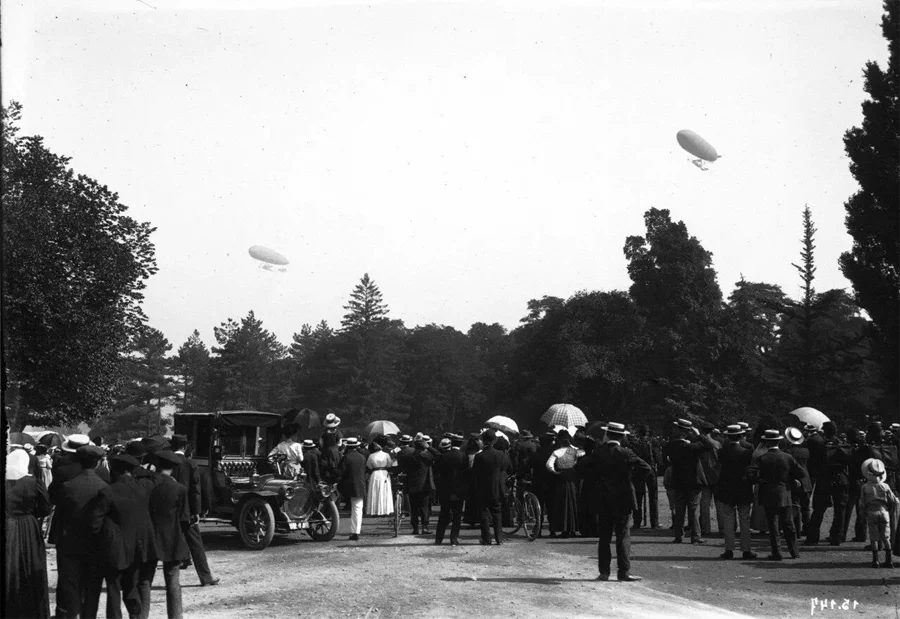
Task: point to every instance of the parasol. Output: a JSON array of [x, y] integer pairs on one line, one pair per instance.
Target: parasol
[[21, 438], [49, 438], [381, 427], [810, 415], [505, 424], [304, 418], [564, 415]]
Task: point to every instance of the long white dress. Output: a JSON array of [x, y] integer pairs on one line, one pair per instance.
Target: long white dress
[[380, 497]]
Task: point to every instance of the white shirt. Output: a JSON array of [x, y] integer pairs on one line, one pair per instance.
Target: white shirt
[[294, 452]]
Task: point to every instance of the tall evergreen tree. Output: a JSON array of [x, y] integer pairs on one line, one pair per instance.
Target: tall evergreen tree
[[366, 308], [190, 365], [873, 263]]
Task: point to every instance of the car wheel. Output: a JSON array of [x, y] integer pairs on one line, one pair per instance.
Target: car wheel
[[256, 524], [324, 522]]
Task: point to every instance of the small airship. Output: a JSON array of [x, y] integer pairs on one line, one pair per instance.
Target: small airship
[[697, 146], [268, 256]]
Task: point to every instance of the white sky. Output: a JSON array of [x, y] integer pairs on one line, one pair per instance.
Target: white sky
[[468, 156]]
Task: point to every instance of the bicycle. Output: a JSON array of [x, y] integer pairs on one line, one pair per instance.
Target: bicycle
[[401, 503], [524, 513]]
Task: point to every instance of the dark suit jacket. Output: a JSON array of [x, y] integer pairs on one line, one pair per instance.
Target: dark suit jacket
[[734, 487], [524, 451], [353, 474], [687, 472], [171, 517], [451, 473], [146, 478], [801, 455], [311, 464], [415, 464], [65, 468], [487, 474], [609, 471], [776, 472], [75, 500], [123, 511], [816, 445], [188, 475]]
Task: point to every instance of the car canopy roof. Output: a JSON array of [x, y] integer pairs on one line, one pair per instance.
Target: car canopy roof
[[238, 418]]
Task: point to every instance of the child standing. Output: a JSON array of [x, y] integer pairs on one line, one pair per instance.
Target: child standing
[[877, 502]]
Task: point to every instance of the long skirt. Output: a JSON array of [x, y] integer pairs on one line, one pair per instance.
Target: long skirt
[[380, 497], [25, 587], [564, 514]]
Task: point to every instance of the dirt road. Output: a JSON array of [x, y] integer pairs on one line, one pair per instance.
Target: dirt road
[[383, 577]]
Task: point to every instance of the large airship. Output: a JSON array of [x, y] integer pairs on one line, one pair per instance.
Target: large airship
[[697, 146], [270, 256]]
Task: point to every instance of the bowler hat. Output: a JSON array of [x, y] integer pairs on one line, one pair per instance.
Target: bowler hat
[[165, 457], [178, 440], [488, 436], [89, 452], [136, 449], [124, 459]]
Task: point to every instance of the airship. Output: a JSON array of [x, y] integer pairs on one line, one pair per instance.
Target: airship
[[697, 146], [268, 256]]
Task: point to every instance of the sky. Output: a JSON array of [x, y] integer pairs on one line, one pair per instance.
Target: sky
[[468, 156]]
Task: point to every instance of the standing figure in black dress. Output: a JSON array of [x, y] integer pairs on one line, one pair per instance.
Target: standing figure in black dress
[[25, 589]]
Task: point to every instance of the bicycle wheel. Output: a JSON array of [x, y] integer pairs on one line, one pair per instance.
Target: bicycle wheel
[[532, 516], [514, 507], [398, 508]]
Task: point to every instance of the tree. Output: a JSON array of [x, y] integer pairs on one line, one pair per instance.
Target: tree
[[74, 266], [191, 365], [873, 263], [138, 407], [366, 309], [674, 285], [805, 310]]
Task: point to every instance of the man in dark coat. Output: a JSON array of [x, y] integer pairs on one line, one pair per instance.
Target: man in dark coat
[[79, 577], [777, 473], [734, 493], [123, 508], [353, 481], [815, 442], [487, 473], [171, 519], [66, 467], [610, 470], [832, 488], [801, 495], [523, 452], [187, 473], [541, 478], [687, 476], [415, 462], [451, 474], [646, 487], [312, 459]]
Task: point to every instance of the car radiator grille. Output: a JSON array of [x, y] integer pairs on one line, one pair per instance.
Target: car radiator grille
[[296, 506]]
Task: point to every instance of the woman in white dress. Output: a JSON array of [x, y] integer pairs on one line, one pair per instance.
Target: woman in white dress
[[380, 497]]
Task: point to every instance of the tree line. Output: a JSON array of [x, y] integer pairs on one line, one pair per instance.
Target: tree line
[[77, 346]]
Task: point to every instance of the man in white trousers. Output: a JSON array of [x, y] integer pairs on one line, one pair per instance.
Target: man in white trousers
[[353, 483]]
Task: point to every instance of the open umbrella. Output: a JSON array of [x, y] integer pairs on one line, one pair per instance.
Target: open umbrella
[[304, 418], [505, 424], [49, 438], [564, 415], [380, 427], [21, 438], [809, 415]]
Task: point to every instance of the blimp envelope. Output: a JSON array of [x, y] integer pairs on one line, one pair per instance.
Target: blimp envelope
[[695, 145], [264, 254]]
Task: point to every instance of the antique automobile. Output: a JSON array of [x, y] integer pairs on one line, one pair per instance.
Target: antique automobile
[[244, 488]]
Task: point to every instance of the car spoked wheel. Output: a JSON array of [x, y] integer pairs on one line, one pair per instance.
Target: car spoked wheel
[[256, 524], [324, 522]]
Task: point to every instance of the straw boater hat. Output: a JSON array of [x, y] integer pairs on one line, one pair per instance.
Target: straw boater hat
[[74, 441], [351, 442], [405, 439], [308, 442], [772, 435], [684, 424], [744, 425], [735, 430], [445, 444], [810, 428], [616, 428], [794, 436], [332, 420]]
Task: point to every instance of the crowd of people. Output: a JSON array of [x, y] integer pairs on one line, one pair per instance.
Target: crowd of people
[[120, 511]]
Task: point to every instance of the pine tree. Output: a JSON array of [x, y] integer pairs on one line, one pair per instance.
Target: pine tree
[[807, 270], [873, 263], [366, 307]]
